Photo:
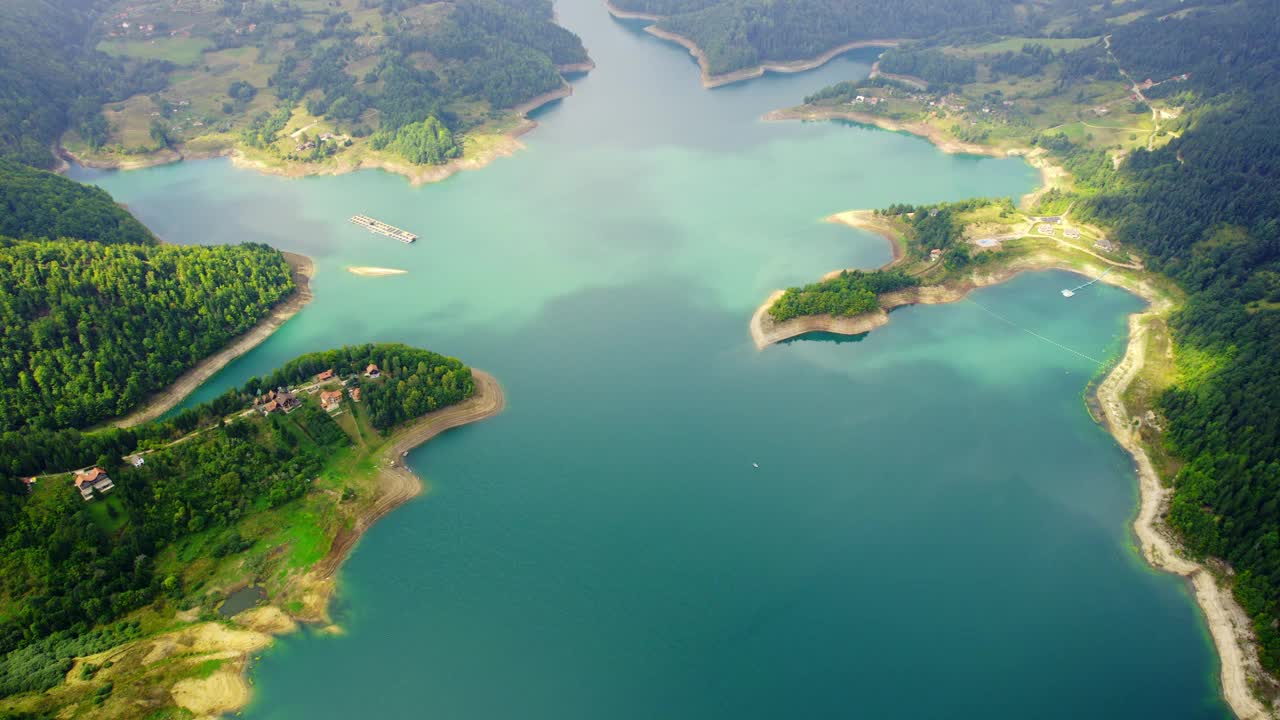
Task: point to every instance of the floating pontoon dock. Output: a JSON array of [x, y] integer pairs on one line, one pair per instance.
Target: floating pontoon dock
[[382, 228]]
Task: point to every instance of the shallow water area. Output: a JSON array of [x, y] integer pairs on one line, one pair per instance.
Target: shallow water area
[[935, 527]]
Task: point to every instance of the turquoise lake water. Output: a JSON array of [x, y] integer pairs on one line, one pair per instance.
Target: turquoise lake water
[[936, 528]]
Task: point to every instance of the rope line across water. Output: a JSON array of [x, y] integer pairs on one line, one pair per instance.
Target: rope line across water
[[1032, 333]]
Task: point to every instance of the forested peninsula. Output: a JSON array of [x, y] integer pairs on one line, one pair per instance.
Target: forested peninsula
[[1157, 129], [128, 598], [412, 86]]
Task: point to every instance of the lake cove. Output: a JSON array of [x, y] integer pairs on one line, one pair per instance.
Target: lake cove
[[936, 528]]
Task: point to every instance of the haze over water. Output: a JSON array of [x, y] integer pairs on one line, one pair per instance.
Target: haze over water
[[936, 528]]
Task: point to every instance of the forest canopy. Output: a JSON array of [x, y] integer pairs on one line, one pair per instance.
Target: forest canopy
[[850, 293], [88, 330]]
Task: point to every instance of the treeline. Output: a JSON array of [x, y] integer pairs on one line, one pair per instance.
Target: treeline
[[40, 205], [933, 66], [88, 330], [850, 293], [65, 571]]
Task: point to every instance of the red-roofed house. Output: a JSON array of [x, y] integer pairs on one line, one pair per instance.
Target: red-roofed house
[[330, 400], [93, 479], [354, 393], [326, 375]]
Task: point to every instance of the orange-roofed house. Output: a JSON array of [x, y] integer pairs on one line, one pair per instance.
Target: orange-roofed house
[[93, 479], [326, 375], [330, 400], [354, 393]]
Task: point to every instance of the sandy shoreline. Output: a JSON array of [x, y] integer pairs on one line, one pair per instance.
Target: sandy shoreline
[[364, 271], [416, 174], [1051, 174], [303, 269], [872, 222], [779, 66]]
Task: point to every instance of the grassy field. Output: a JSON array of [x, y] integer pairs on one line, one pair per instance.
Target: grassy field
[[1014, 44], [177, 50]]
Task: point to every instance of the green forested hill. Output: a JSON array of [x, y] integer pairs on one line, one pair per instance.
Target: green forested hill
[[87, 330], [35, 204], [67, 566]]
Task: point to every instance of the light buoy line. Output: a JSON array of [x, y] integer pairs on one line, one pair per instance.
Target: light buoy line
[[1032, 333]]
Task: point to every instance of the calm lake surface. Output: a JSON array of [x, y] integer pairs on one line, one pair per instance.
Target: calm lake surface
[[936, 528]]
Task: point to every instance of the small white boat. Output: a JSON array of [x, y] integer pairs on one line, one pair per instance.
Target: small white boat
[[755, 465]]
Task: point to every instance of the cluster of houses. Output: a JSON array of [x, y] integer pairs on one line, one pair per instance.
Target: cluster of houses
[[331, 400], [280, 400], [322, 139]]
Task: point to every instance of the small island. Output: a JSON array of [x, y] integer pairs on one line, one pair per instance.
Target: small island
[[232, 517]]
